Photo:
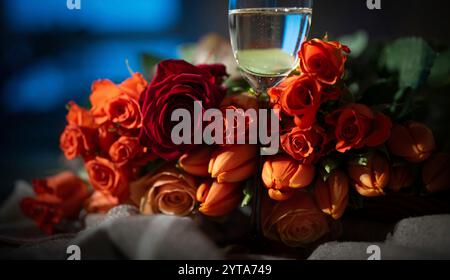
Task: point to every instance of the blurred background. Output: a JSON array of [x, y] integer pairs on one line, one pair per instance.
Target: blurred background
[[50, 55]]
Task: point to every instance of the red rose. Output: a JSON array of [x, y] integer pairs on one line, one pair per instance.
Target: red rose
[[177, 85], [306, 146], [58, 197], [356, 126], [322, 60], [299, 97]]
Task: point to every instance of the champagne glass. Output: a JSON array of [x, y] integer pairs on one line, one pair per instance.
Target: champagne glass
[[266, 36]]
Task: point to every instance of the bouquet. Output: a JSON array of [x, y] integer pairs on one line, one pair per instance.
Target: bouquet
[[183, 143]]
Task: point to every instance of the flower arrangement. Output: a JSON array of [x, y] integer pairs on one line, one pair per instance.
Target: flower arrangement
[[334, 147]]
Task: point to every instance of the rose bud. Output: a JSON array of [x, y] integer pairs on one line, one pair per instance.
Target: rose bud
[[323, 60], [107, 177], [77, 141], [100, 203], [297, 222], [413, 141], [218, 199], [370, 177], [332, 194], [436, 173], [402, 176], [300, 98], [281, 175], [196, 162], [80, 117], [168, 192], [306, 146], [58, 197], [233, 163], [125, 149]]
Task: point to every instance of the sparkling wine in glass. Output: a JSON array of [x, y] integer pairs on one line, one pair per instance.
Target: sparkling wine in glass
[[266, 36]]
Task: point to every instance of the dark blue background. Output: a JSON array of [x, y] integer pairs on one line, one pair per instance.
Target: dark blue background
[[50, 55]]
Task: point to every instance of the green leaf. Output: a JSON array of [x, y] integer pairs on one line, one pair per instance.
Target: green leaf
[[149, 62], [357, 42], [440, 73], [410, 58], [248, 195]]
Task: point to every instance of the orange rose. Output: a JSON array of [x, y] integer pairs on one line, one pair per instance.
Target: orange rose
[[306, 146], [413, 141], [77, 141], [233, 163], [436, 173], [356, 126], [218, 199], [281, 175], [124, 111], [58, 197], [402, 176], [332, 194], [107, 177], [125, 149], [168, 192], [118, 103], [322, 60], [80, 116], [100, 203], [299, 97], [296, 222], [370, 178], [196, 162]]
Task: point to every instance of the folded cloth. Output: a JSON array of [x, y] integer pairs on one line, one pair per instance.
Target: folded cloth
[[425, 237], [123, 234]]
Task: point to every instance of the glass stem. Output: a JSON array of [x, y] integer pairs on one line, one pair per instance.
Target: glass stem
[[256, 217]]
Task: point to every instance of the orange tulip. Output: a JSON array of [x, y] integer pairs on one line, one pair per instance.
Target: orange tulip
[[371, 178], [196, 162], [296, 222], [332, 195], [281, 174], [402, 176], [234, 163], [413, 141], [218, 199], [436, 173]]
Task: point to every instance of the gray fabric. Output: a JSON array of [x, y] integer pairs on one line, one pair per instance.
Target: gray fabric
[[123, 234]]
